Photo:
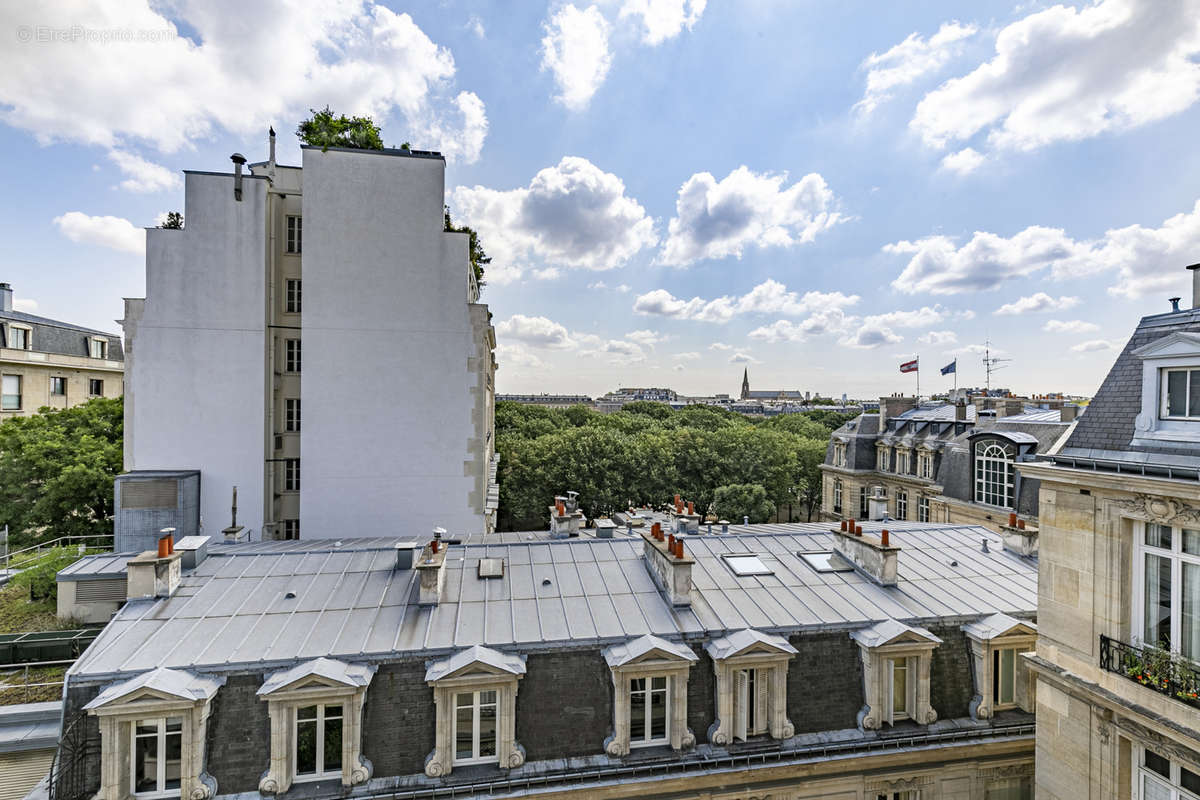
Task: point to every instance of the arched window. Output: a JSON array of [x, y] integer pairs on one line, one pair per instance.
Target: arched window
[[837, 496], [994, 473]]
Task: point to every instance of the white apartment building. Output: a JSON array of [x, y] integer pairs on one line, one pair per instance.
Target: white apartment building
[[312, 336]]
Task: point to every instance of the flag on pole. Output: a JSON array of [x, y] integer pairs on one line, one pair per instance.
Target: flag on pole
[[951, 367], [909, 366]]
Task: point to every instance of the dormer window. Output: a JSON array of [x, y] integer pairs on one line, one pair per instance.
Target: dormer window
[[882, 459], [20, 337], [994, 473], [1170, 391], [97, 347], [896, 660], [650, 678]]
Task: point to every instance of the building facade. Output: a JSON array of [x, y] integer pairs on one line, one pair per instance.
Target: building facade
[[770, 661], [939, 462], [1119, 591], [313, 337], [47, 363]]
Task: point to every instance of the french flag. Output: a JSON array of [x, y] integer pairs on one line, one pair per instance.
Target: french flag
[[909, 366]]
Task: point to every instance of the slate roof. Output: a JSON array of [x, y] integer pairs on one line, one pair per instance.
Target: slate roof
[[52, 336], [259, 609], [1107, 427]]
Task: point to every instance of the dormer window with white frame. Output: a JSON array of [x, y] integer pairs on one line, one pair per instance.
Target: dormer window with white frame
[[1170, 412], [475, 693], [995, 473], [882, 458], [896, 663], [751, 670], [1002, 680], [97, 347], [316, 711], [152, 735], [839, 454], [650, 678], [903, 460], [20, 337]]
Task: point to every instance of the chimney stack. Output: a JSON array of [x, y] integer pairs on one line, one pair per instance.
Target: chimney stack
[[1195, 268], [238, 160], [960, 411], [5, 297], [431, 567], [671, 569], [876, 559], [271, 157]]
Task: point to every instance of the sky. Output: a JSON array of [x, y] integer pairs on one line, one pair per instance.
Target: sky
[[671, 191]]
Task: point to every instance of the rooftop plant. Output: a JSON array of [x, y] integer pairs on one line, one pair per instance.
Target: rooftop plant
[[325, 130]]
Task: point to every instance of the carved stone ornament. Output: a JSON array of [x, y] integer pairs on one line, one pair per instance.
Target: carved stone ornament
[[1008, 771], [899, 785], [1163, 510]]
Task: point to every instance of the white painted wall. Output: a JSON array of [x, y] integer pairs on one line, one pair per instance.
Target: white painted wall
[[197, 384], [387, 335]]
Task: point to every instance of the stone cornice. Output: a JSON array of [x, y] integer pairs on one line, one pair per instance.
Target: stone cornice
[[1115, 481]]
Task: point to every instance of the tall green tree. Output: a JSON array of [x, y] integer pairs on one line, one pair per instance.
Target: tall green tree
[[325, 130], [740, 500], [57, 469]]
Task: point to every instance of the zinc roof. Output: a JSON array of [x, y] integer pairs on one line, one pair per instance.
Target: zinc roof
[[254, 607]]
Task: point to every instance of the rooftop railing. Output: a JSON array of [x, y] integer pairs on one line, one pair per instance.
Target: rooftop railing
[[1154, 668]]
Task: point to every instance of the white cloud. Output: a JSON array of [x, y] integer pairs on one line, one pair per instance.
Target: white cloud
[[458, 127], [687, 356], [768, 297], [475, 26], [1145, 260], [547, 274], [575, 50], [976, 350], [1065, 74], [1093, 346], [939, 338], [867, 337], [26, 304], [716, 219], [1037, 302], [720, 346], [535, 331], [646, 338], [860, 332], [624, 288], [963, 162], [597, 285], [679, 367], [144, 176], [517, 355], [742, 357], [907, 62], [663, 19], [1070, 326], [115, 233], [356, 55], [571, 215]]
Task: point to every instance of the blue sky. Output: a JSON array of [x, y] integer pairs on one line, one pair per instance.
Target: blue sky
[[671, 190]]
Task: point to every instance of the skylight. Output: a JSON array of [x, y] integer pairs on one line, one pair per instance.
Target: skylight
[[826, 562], [745, 565], [491, 568]]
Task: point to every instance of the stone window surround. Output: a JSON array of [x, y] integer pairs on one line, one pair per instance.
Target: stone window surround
[[983, 483], [883, 457], [999, 632], [118, 714], [1180, 349], [98, 340], [17, 326], [323, 681], [750, 649], [476, 669], [898, 641], [651, 657], [1176, 558]]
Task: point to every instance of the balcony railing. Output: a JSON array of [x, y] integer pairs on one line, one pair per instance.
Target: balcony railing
[[1153, 668]]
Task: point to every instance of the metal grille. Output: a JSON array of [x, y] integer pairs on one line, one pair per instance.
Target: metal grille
[[161, 493], [68, 774], [113, 591]]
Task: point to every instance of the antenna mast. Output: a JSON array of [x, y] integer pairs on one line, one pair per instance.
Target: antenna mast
[[991, 363]]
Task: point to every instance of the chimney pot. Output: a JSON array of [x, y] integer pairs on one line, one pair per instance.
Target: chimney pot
[[6, 296], [985, 547], [671, 543], [843, 524], [1020, 524], [883, 537], [433, 546], [1195, 268], [1174, 301], [238, 160], [691, 507], [679, 548], [858, 530], [164, 546], [1012, 520]]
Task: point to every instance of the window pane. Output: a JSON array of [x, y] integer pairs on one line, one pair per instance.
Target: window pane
[[306, 741], [1158, 601], [1194, 394], [1157, 763], [464, 728], [1007, 675], [174, 752], [1176, 393], [1189, 622], [1154, 790], [1158, 535], [487, 727], [658, 713], [145, 757], [899, 686], [1189, 780], [1191, 542], [333, 740], [637, 710]]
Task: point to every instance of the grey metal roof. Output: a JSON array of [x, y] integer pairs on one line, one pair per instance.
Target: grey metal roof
[[30, 726], [252, 608], [96, 567]]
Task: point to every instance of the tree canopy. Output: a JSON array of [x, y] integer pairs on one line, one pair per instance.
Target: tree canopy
[[324, 130], [647, 452], [57, 469], [478, 257]]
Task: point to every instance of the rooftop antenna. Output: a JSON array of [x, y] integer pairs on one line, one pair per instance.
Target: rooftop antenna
[[991, 363]]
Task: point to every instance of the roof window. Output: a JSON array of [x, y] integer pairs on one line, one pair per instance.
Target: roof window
[[826, 561], [491, 568], [746, 565]]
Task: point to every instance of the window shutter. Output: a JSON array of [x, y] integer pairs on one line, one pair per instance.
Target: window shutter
[[762, 682], [889, 679], [740, 704]]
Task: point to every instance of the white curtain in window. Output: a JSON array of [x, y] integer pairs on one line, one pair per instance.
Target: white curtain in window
[[1157, 630], [1189, 628]]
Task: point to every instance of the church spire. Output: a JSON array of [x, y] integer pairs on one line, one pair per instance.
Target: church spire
[[746, 383]]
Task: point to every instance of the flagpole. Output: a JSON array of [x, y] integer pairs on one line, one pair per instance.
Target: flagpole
[[956, 374], [918, 379]]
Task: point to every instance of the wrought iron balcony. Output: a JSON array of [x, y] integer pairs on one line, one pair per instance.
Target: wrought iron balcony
[[1153, 668]]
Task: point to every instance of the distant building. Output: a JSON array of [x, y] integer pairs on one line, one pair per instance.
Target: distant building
[[615, 401], [939, 462], [347, 257], [769, 394], [44, 362], [1118, 657], [549, 400]]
